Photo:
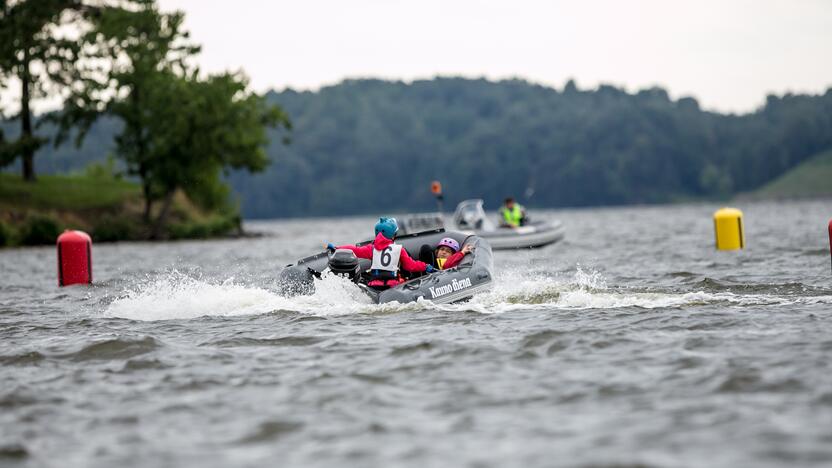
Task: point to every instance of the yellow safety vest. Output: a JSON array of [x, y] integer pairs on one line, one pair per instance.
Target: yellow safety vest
[[513, 216]]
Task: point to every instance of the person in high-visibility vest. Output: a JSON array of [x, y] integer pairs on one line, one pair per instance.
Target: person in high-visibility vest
[[513, 215]]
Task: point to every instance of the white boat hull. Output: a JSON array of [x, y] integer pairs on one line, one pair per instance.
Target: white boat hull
[[523, 237]]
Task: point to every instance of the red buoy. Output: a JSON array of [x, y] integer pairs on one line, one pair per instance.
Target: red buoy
[[74, 258], [830, 237]]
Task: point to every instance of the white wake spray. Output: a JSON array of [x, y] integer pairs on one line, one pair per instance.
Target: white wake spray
[[517, 290], [173, 296], [176, 296]]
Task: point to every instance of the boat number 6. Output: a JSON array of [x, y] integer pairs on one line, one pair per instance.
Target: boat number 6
[[386, 257]]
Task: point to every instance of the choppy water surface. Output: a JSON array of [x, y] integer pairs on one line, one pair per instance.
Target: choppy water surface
[[631, 343]]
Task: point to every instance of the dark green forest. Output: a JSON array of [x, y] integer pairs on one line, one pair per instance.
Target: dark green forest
[[372, 146]]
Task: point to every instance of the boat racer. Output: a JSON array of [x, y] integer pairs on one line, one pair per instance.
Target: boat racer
[[448, 254], [388, 257]]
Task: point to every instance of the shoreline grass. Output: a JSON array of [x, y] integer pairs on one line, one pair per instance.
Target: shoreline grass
[[108, 208], [811, 179]]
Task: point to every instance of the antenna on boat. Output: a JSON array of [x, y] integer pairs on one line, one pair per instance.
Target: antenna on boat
[[436, 190]]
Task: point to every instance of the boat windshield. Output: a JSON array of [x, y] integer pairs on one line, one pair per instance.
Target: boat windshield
[[414, 223], [470, 215]]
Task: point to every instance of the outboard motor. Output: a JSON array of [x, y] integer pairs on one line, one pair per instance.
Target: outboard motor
[[344, 263]]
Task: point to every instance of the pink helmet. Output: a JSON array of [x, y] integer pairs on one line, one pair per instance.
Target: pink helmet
[[448, 242]]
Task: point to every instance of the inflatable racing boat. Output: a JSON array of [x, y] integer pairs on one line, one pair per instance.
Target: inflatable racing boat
[[472, 275], [470, 218]]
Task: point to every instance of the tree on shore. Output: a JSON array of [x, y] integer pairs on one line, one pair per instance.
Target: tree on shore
[[200, 128], [38, 48], [8, 152], [138, 49], [179, 130]]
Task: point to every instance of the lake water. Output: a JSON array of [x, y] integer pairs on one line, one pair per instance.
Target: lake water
[[631, 343]]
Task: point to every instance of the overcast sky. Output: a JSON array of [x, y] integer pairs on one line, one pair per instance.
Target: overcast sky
[[727, 53]]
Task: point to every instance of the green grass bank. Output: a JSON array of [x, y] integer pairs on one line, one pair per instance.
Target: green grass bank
[[107, 208], [810, 179]]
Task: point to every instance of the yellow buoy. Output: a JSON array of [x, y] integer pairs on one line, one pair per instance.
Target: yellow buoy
[[729, 232]]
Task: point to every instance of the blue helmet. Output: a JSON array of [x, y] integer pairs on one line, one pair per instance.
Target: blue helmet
[[388, 227]]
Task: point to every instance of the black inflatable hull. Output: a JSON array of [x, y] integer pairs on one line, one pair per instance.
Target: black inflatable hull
[[471, 276]]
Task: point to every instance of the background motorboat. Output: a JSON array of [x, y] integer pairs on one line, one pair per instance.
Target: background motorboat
[[470, 217]]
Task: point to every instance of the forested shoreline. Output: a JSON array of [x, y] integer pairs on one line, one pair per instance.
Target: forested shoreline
[[374, 146], [369, 146]]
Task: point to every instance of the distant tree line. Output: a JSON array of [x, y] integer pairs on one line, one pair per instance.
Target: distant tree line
[[370, 146], [373, 146]]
